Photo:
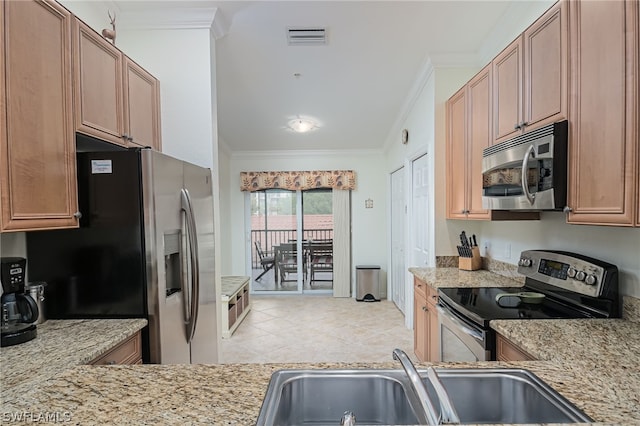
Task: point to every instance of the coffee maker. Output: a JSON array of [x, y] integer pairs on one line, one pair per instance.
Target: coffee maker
[[19, 310]]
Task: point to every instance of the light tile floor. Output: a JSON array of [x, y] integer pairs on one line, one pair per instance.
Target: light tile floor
[[286, 329]]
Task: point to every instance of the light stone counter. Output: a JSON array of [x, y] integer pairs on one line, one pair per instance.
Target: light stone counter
[[454, 277], [232, 394], [606, 352], [60, 345]]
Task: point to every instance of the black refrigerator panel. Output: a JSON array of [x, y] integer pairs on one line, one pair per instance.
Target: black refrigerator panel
[[97, 270]]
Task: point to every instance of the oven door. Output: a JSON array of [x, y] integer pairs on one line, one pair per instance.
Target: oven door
[[461, 340]]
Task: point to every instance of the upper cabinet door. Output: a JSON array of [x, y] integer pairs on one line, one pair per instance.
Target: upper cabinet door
[[604, 112], [479, 134], [98, 85], [142, 106], [37, 140], [456, 155], [546, 68], [507, 92]]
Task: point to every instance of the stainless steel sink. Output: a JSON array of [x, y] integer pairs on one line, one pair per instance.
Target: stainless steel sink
[[320, 397], [503, 396], [386, 397]]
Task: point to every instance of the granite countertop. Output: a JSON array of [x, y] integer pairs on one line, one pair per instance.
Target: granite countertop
[[232, 394], [60, 345], [605, 352], [454, 277]]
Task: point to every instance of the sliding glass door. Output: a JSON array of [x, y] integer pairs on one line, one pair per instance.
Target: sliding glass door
[[317, 231], [291, 241]]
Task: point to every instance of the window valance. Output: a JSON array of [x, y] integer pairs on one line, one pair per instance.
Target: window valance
[[332, 179]]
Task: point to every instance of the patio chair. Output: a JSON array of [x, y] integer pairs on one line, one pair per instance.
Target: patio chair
[[288, 262], [321, 260], [267, 262]]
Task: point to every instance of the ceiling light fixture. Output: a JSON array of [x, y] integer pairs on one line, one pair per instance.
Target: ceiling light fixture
[[302, 125]]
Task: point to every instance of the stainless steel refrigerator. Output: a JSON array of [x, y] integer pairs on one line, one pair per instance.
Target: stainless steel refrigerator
[[144, 249]]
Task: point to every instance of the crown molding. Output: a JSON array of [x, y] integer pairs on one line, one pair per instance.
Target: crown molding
[[245, 155], [169, 18]]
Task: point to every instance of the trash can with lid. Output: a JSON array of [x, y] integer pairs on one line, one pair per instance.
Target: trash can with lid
[[368, 283]]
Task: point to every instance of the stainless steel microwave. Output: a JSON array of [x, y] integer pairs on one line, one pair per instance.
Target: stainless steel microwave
[[528, 172]]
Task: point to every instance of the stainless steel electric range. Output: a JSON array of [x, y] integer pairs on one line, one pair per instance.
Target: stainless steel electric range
[[557, 285]]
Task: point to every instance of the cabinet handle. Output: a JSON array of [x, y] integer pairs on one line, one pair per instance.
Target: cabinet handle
[[567, 209], [524, 124], [110, 363], [434, 297], [516, 127], [77, 215], [125, 137], [424, 308]]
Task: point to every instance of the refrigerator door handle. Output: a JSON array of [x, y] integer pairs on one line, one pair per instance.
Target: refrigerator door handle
[[195, 266]]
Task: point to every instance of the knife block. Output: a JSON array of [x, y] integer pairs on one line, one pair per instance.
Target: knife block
[[471, 263]]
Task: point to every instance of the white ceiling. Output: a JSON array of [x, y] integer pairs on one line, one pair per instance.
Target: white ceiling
[[356, 85]]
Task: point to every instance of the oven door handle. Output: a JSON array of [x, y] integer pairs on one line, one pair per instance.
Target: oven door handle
[[473, 333]]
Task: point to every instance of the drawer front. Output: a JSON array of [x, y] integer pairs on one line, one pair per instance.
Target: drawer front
[[420, 287], [432, 295], [127, 352]]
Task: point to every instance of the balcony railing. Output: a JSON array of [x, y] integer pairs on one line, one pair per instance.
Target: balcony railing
[[267, 239]]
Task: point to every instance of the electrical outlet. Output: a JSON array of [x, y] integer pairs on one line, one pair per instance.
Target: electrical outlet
[[487, 249]]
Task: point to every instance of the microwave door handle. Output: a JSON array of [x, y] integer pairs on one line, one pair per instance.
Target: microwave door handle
[[531, 153], [193, 256]]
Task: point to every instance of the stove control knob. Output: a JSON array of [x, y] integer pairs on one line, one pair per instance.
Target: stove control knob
[[591, 280], [526, 262], [580, 276], [571, 272]]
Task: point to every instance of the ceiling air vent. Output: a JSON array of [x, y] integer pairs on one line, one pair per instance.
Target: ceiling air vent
[[306, 36]]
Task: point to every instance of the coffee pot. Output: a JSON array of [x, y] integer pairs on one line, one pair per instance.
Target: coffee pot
[[18, 310]]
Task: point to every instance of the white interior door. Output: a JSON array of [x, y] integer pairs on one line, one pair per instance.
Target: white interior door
[[420, 212], [398, 264]]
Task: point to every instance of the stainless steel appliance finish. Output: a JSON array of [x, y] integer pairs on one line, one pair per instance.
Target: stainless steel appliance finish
[[528, 172], [460, 340], [37, 291], [321, 397], [144, 249], [496, 396], [573, 286], [178, 202], [483, 395]]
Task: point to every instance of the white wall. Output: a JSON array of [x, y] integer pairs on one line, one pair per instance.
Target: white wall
[[181, 60], [369, 236], [224, 164], [617, 245]]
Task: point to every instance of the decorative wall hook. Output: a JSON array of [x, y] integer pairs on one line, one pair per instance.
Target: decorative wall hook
[[111, 34]]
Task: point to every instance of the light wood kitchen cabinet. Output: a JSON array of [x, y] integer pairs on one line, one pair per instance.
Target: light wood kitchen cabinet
[[98, 90], [116, 99], [141, 106], [506, 350], [530, 77], [426, 339], [468, 133], [37, 141], [603, 171], [127, 352]]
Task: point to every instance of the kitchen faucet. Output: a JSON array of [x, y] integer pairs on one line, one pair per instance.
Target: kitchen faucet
[[447, 414]]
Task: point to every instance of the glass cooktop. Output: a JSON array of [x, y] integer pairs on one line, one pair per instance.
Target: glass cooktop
[[479, 305]]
